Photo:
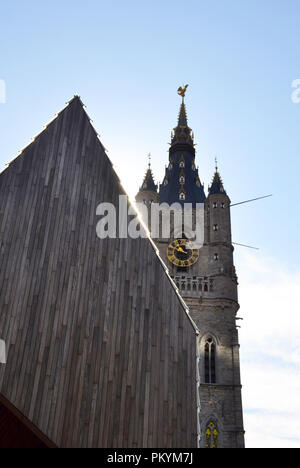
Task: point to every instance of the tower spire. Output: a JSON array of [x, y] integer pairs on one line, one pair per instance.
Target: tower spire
[[217, 183], [182, 182], [182, 119], [182, 133], [148, 183], [148, 193]]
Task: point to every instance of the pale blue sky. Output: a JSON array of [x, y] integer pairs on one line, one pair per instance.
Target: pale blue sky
[[126, 61]]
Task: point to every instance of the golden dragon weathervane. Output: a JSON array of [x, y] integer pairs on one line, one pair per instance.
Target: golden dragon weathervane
[[181, 91]]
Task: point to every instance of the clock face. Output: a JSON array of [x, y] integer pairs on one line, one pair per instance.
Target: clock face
[[180, 255]]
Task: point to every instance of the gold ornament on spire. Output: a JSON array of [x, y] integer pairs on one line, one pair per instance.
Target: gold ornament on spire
[[181, 91]]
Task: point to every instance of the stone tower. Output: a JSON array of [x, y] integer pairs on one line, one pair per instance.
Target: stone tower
[[208, 285]]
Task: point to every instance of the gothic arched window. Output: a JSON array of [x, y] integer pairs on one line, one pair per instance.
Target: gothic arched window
[[210, 361], [211, 436]]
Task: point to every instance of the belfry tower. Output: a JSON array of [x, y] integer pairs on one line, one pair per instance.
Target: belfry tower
[[207, 281]]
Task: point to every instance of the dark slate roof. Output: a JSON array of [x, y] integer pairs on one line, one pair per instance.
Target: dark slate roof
[[182, 180], [148, 183], [217, 185]]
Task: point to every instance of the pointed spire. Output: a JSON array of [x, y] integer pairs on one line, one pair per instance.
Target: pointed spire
[[148, 183], [181, 182], [182, 133], [182, 119], [217, 183]]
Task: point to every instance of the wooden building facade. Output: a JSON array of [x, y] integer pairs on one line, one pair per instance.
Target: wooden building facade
[[101, 350]]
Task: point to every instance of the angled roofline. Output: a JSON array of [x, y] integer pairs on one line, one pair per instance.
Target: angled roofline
[[26, 422], [76, 97], [155, 248]]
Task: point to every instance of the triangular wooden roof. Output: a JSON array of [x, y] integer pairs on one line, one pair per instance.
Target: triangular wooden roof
[[101, 351]]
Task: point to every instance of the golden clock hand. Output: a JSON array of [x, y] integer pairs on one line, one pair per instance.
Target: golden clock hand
[[180, 249]]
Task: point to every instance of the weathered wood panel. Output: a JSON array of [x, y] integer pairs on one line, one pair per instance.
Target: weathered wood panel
[[100, 349]]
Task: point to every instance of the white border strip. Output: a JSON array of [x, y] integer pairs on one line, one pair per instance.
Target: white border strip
[[2, 352]]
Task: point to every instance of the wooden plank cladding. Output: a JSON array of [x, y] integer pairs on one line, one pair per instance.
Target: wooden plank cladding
[[100, 349]]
